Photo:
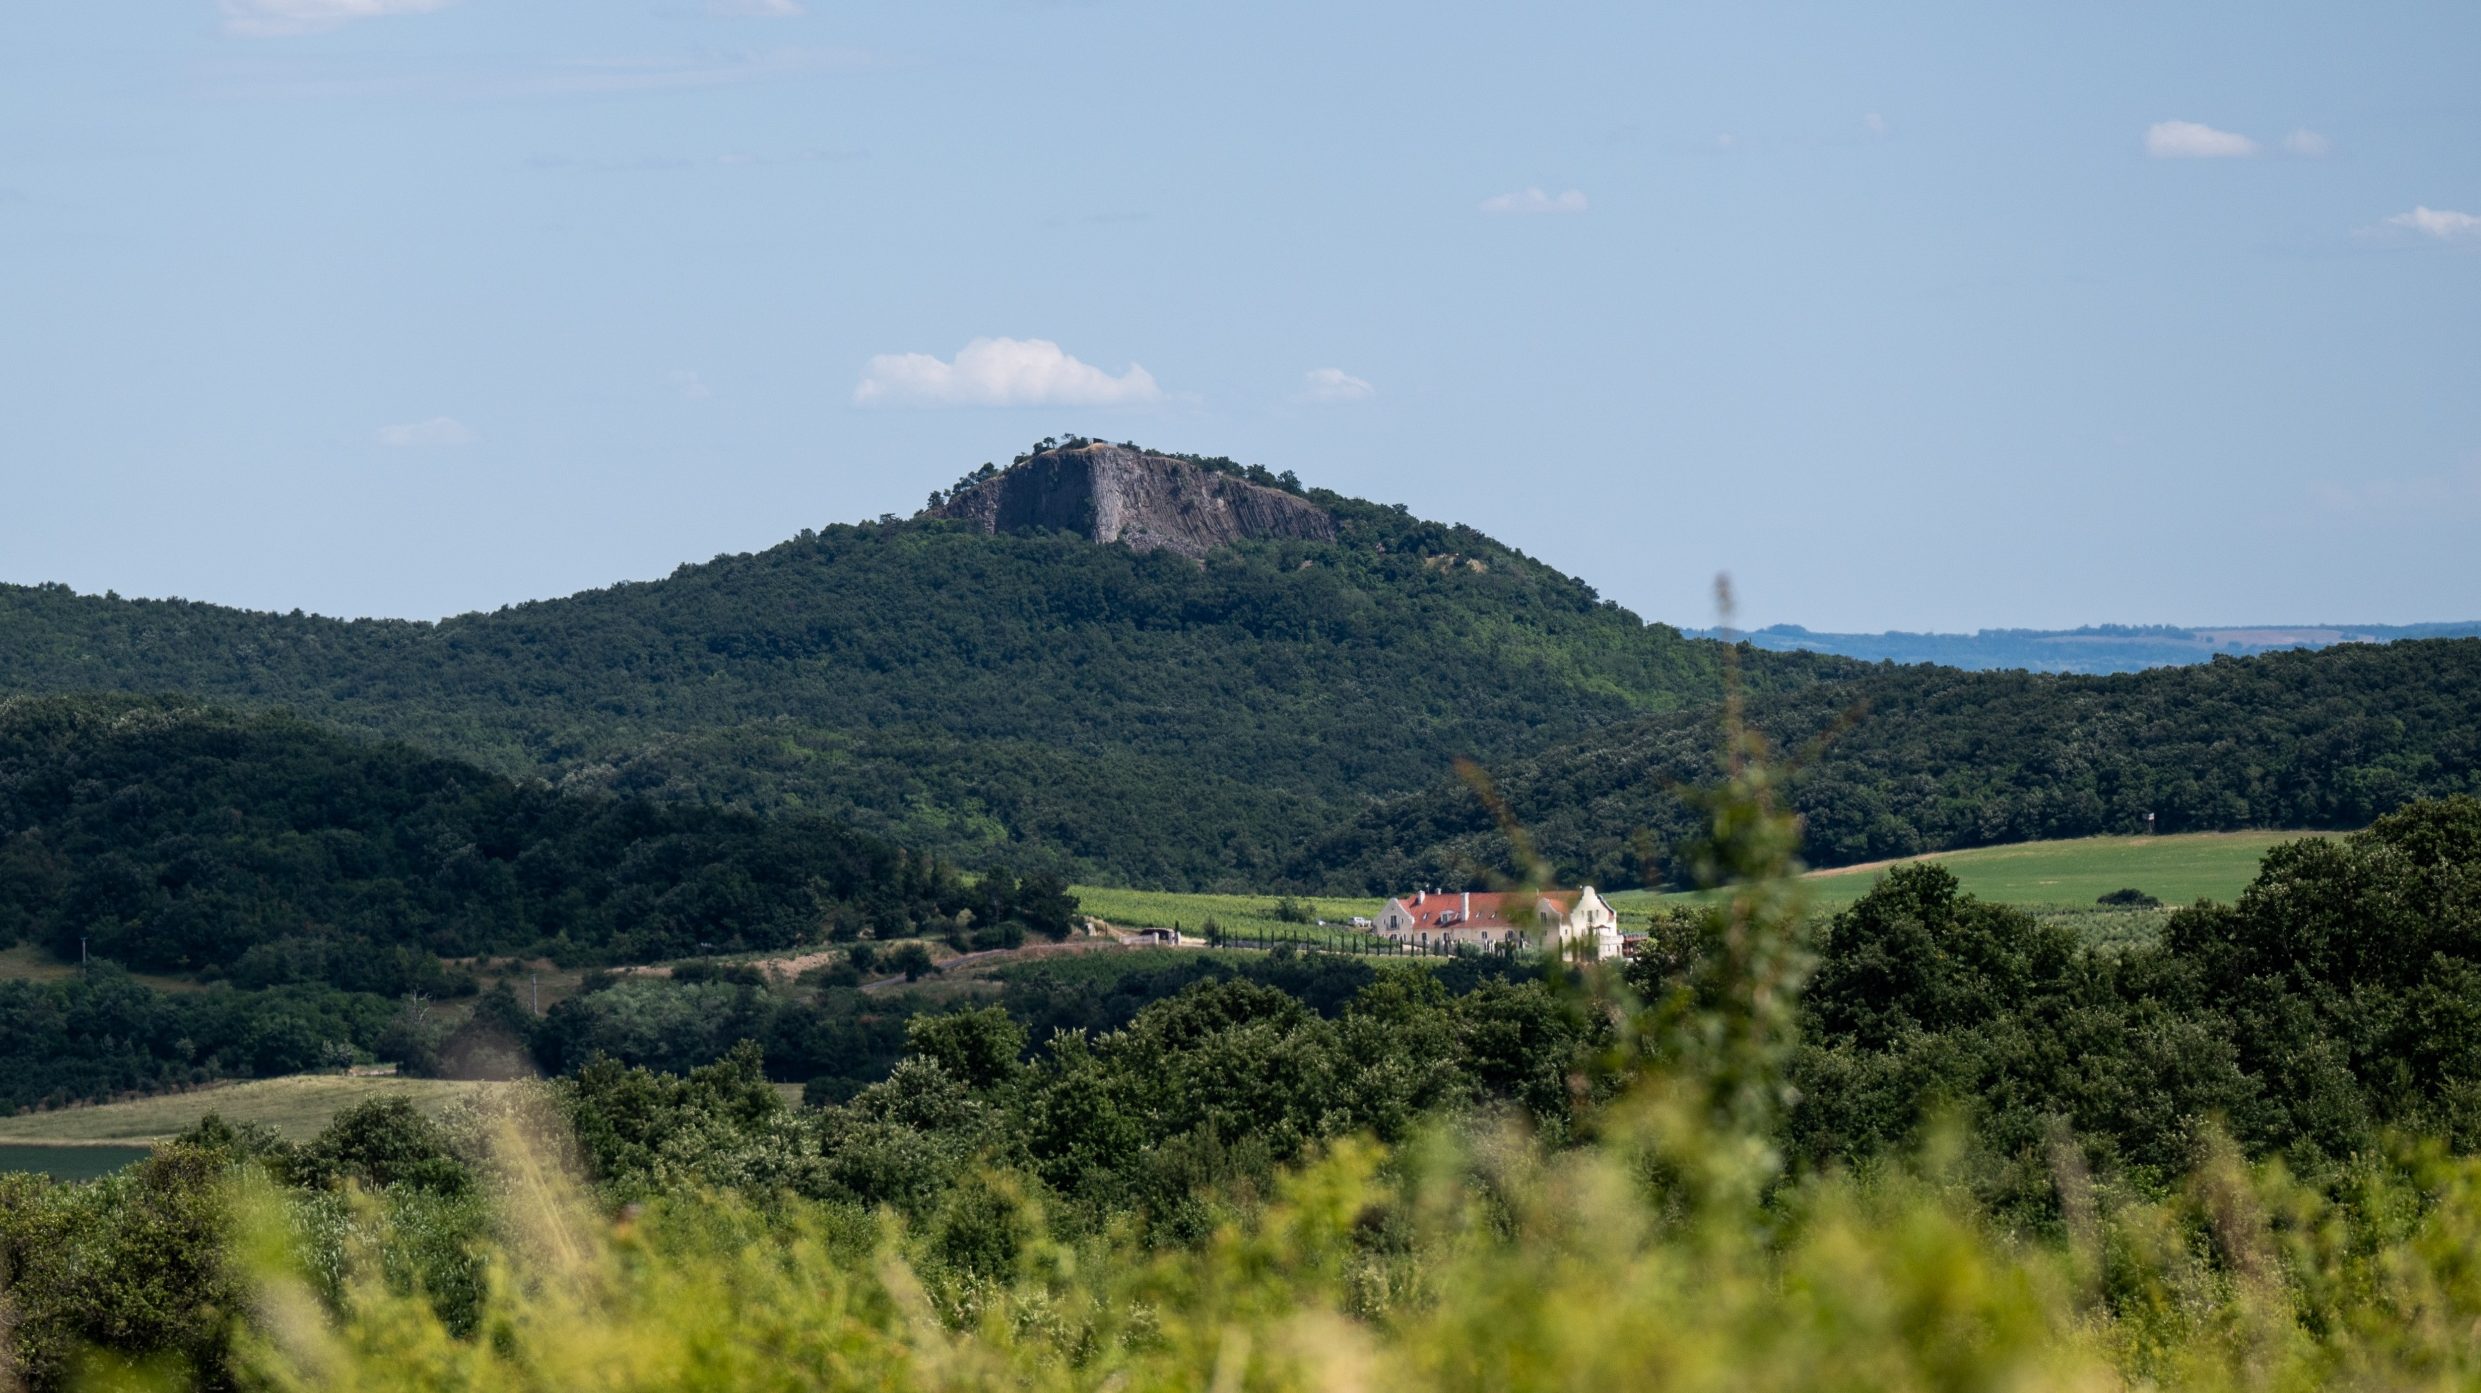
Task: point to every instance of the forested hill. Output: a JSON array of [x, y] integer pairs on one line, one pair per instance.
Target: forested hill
[[1274, 695], [1149, 717], [265, 850], [1901, 760]]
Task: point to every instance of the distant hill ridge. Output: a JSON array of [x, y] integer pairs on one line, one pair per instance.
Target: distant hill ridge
[[2099, 648]]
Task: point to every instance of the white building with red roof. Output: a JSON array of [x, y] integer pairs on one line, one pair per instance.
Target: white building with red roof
[[1573, 923]]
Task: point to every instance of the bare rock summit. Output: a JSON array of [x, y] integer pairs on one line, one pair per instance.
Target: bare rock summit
[[1148, 502]]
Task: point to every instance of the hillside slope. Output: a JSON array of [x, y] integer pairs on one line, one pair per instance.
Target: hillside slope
[[264, 850], [1917, 759]]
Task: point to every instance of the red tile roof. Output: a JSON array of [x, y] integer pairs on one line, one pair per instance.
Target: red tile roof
[[1489, 910]]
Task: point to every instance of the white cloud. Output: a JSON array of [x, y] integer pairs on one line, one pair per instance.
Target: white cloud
[[2187, 140], [757, 9], [1535, 201], [274, 18], [2444, 224], [2308, 144], [439, 431], [692, 387], [1000, 372], [1874, 123], [1334, 385]]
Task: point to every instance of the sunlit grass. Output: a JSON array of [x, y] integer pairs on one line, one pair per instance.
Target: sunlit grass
[[1252, 916], [296, 1107], [1473, 1258], [27, 963], [2174, 869]]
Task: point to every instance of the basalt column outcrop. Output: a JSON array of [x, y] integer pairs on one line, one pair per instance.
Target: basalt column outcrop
[[1147, 502]]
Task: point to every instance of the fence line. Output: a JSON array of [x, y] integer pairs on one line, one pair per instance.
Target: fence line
[[1363, 946]]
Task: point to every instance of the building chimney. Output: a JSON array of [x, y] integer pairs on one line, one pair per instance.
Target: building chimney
[[1465, 909], [1419, 896]]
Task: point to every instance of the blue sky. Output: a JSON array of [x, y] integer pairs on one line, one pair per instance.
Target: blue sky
[[1909, 316]]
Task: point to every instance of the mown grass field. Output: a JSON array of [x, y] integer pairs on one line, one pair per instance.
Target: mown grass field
[[2174, 869], [1251, 915], [296, 1106], [24, 962], [2065, 874]]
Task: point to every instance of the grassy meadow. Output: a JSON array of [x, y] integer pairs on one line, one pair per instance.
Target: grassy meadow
[[2063, 876], [297, 1106], [24, 962], [1251, 915], [2173, 869]]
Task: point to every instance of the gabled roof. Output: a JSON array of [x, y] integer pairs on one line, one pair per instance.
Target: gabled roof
[[1488, 909]]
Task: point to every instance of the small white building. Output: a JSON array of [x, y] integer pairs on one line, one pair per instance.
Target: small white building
[[1571, 923]]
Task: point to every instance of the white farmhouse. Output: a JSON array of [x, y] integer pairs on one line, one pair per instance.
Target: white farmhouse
[[1572, 923]]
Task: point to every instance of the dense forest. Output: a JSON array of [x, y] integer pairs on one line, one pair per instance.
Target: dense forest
[[310, 876], [1932, 1138], [262, 849], [827, 1034], [101, 1034], [1893, 761]]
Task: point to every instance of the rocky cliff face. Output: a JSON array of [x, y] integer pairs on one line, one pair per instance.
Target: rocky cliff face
[[1148, 502]]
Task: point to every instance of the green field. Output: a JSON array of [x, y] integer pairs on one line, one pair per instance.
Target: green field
[[26, 963], [2174, 869], [1252, 915], [297, 1107]]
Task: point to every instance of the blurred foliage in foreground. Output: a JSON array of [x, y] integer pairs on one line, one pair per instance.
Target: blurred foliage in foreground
[[1729, 1167]]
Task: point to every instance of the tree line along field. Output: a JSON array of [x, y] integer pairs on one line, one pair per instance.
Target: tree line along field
[[221, 1033], [2059, 875], [2069, 874]]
